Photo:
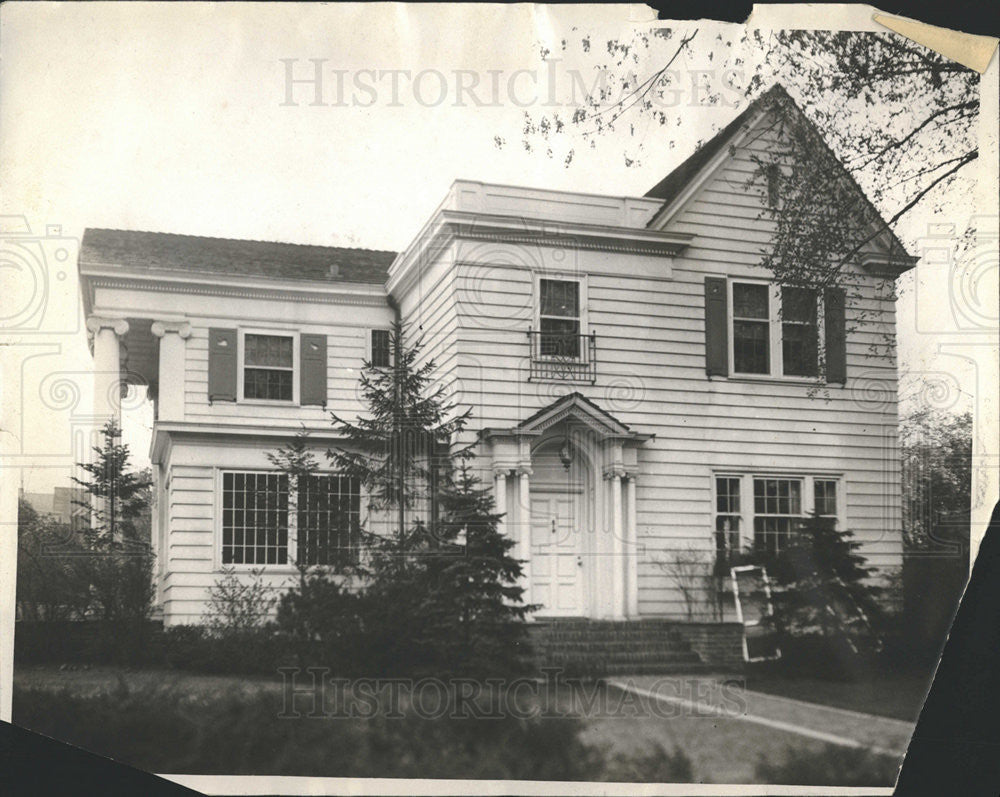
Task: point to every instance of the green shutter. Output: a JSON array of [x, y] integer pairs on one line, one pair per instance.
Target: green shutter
[[222, 366], [312, 370], [836, 335], [716, 327]]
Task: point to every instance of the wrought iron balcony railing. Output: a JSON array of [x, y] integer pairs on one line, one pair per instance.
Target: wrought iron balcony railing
[[562, 357]]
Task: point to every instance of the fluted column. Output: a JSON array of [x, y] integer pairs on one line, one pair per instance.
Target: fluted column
[[170, 393], [524, 526], [631, 549], [107, 333]]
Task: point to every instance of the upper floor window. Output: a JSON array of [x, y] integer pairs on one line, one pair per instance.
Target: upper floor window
[[268, 367], [381, 348], [774, 331], [559, 318]]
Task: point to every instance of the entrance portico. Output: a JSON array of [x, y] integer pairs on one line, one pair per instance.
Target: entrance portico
[[566, 480]]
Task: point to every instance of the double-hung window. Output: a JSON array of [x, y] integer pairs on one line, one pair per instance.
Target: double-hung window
[[774, 332], [777, 511], [269, 367], [268, 519], [559, 318], [380, 354]]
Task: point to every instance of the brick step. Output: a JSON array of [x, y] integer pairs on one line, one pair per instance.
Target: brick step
[[609, 638], [612, 644]]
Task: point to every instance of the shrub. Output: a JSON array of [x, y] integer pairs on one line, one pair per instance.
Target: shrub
[[321, 618], [259, 651]]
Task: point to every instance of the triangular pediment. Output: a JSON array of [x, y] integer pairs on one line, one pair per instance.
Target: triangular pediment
[[577, 408]]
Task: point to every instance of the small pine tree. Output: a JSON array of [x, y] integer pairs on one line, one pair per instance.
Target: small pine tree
[[399, 449], [823, 586], [120, 563], [119, 496], [476, 610]]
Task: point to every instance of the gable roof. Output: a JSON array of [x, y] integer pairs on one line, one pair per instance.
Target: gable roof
[[142, 250], [670, 187]]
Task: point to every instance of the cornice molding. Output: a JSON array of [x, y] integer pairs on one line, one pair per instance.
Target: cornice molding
[[280, 291], [450, 225]]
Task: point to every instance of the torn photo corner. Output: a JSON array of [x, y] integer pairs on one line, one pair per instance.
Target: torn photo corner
[[476, 398]]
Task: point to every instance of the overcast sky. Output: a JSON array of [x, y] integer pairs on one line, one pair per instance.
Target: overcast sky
[[175, 118]]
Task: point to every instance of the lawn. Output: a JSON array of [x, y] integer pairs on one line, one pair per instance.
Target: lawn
[[896, 695], [173, 722]]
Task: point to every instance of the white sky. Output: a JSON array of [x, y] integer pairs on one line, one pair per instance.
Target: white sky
[[170, 118]]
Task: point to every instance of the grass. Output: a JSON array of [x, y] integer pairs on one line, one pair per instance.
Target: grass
[[896, 695], [175, 722]]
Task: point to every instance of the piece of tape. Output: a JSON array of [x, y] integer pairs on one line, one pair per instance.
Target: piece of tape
[[968, 49]]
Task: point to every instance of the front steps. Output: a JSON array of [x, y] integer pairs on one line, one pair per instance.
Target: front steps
[[600, 648]]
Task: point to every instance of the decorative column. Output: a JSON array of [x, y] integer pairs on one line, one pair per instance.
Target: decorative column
[[631, 549], [524, 526], [108, 383], [614, 475], [170, 392]]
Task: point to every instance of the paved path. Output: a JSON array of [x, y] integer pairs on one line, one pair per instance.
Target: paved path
[[824, 723]]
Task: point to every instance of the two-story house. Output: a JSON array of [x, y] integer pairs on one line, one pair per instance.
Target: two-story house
[[636, 388]]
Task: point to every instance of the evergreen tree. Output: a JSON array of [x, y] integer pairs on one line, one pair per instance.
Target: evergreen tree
[[439, 589], [399, 449], [822, 585], [120, 563], [476, 609]]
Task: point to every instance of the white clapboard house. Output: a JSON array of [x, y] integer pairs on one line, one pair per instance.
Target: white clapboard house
[[637, 396]]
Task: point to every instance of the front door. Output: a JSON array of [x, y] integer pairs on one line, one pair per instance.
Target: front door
[[556, 561]]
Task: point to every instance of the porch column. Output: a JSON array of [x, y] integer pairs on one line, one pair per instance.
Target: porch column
[[617, 545], [631, 549], [524, 524], [500, 497], [107, 367], [170, 393]]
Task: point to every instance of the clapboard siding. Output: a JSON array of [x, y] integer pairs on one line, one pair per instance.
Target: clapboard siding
[[651, 375]]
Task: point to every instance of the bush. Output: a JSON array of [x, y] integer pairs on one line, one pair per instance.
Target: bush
[[259, 651], [831, 766], [85, 642], [322, 620]]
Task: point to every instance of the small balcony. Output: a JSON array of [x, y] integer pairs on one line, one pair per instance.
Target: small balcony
[[562, 357]]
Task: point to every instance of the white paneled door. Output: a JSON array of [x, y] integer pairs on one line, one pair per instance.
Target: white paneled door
[[556, 555]]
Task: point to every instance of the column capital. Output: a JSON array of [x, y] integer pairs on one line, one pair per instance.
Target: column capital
[[161, 328], [524, 470], [631, 474], [501, 470], [96, 323], [615, 472]]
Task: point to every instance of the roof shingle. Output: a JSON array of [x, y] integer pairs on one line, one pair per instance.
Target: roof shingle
[[195, 254]]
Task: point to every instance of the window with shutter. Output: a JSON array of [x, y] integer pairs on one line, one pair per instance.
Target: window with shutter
[[268, 367], [775, 331]]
